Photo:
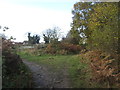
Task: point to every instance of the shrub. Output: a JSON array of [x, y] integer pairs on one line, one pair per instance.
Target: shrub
[[62, 52], [11, 68], [10, 59], [62, 48], [71, 48], [50, 49], [104, 68]]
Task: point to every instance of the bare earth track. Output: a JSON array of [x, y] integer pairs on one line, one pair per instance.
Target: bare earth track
[[44, 78]]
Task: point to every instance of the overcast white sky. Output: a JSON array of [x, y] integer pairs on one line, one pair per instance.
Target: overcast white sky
[[35, 16]]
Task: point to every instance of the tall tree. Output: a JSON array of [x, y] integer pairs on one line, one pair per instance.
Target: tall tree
[[46, 39], [80, 19], [103, 25], [72, 37], [37, 38], [33, 39]]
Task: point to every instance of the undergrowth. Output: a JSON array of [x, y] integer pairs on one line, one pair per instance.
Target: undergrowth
[[104, 68], [18, 80], [14, 73], [92, 69]]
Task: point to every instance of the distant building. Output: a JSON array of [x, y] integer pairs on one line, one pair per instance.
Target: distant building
[[18, 43], [27, 47], [25, 42]]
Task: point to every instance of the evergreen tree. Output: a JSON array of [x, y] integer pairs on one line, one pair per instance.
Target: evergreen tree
[[33, 39]]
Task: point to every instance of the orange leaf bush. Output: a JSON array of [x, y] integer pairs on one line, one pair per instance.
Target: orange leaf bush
[[71, 48], [104, 68], [63, 48], [50, 49]]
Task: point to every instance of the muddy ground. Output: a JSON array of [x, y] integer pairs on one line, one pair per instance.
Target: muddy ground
[[44, 77]]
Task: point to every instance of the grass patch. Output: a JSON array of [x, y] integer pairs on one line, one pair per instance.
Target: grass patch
[[78, 72]]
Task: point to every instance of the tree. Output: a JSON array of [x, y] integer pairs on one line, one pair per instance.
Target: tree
[[79, 27], [33, 39], [37, 38], [2, 35], [46, 39], [51, 35], [5, 28], [103, 25], [72, 37], [29, 37], [97, 24]]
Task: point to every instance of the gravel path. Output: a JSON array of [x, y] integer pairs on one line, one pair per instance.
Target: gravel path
[[44, 78]]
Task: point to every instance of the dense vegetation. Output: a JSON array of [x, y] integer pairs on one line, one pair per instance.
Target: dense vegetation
[[94, 37], [14, 72], [98, 26]]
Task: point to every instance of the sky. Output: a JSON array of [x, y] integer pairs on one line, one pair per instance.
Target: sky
[[35, 16]]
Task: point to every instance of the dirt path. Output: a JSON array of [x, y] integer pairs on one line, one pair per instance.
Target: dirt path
[[44, 78]]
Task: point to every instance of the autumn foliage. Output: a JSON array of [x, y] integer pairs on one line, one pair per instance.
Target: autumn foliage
[[71, 48], [63, 48], [104, 68]]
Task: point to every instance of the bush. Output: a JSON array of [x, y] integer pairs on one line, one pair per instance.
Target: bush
[[62, 52], [50, 49], [104, 68], [12, 68], [10, 60], [71, 48], [63, 48]]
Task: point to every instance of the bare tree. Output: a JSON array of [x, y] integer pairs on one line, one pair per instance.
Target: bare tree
[[52, 35]]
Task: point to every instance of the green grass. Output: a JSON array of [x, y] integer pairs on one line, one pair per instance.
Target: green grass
[[78, 72]]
